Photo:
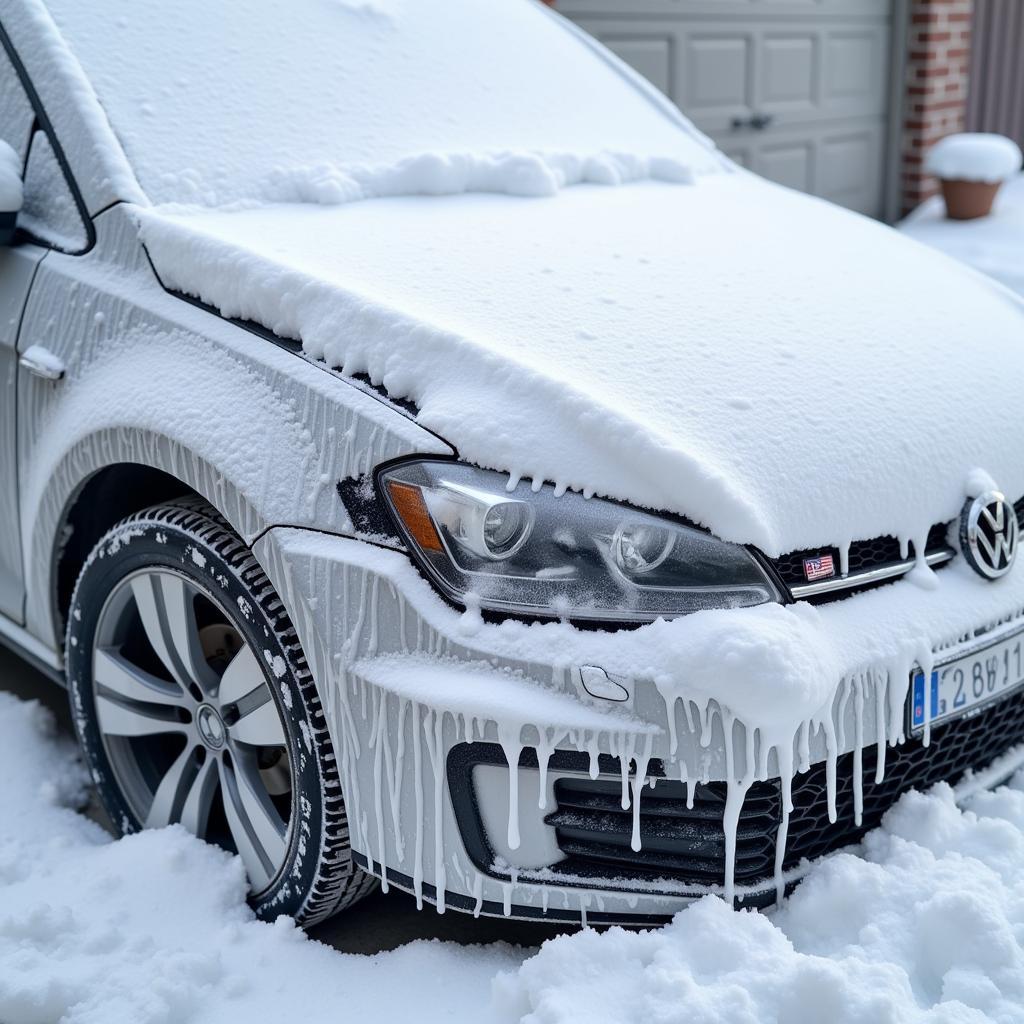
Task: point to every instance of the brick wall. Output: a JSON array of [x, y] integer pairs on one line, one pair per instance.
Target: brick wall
[[938, 66]]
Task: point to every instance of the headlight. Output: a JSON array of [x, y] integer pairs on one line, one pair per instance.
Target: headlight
[[532, 553]]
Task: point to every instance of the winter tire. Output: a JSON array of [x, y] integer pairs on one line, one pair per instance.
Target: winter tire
[[193, 703]]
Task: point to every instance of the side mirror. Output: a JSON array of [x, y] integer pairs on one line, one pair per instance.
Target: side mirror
[[11, 194]]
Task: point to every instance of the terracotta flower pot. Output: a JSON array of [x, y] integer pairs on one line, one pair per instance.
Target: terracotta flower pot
[[966, 200]]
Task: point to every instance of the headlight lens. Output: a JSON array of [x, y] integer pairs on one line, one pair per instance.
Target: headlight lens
[[532, 553]]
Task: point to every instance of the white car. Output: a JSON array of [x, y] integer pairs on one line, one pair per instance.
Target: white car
[[425, 458]]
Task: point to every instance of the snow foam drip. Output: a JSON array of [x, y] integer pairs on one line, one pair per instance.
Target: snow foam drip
[[639, 780]]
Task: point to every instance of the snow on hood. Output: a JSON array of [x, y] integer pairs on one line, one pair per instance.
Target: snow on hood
[[777, 369]]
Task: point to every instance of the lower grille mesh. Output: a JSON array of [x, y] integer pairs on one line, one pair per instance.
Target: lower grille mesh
[[688, 846]]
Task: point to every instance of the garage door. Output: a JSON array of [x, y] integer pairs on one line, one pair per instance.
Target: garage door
[[796, 90]]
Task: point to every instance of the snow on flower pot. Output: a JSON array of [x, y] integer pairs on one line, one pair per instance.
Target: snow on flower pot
[[971, 167]]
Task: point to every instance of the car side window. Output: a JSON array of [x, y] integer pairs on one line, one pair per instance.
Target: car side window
[[50, 212], [16, 114]]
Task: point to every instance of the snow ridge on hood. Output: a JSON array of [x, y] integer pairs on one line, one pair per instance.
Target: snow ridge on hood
[[525, 173]]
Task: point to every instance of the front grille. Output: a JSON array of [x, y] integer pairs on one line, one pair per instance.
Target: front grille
[[688, 846], [686, 843], [864, 556]]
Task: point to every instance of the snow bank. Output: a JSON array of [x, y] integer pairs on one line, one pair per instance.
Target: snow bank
[[683, 348], [153, 929], [993, 244], [927, 927], [974, 156]]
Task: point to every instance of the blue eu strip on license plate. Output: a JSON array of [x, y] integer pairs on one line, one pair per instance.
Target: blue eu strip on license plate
[[917, 709]]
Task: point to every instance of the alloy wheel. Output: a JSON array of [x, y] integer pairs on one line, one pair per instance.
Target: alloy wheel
[[188, 720]]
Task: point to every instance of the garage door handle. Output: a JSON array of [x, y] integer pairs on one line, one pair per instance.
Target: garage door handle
[[41, 362], [757, 122]]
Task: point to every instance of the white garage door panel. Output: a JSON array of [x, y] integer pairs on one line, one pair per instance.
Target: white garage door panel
[[844, 165], [797, 90], [716, 8], [722, 71]]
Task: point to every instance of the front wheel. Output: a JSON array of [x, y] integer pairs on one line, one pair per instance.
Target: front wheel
[[193, 703]]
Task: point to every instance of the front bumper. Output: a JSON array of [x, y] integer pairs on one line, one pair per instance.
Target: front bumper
[[427, 708]]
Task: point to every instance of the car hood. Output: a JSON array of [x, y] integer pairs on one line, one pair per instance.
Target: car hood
[[773, 367]]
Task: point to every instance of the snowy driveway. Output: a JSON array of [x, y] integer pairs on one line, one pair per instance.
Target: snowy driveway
[[994, 244], [927, 926]]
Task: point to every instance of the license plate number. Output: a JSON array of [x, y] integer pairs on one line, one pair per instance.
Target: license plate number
[[965, 684]]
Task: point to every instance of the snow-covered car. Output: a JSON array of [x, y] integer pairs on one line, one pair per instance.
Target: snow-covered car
[[426, 458]]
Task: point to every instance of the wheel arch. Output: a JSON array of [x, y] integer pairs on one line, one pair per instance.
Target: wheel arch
[[102, 479]]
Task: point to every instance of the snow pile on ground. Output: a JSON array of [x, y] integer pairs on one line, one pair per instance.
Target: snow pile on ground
[[993, 244], [326, 101], [927, 926], [153, 929], [974, 156]]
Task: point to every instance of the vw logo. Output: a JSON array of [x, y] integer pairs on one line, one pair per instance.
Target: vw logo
[[989, 534]]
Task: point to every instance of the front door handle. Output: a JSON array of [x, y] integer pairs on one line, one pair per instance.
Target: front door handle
[[41, 362]]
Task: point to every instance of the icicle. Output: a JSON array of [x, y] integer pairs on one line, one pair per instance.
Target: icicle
[[881, 684], [478, 895], [379, 723], [736, 792], [673, 734], [638, 784], [595, 757], [763, 753], [396, 776], [844, 700], [784, 756], [831, 760], [510, 739], [805, 746], [544, 751], [584, 904], [625, 752], [545, 894], [926, 662], [844, 559], [506, 903], [904, 548], [688, 712], [858, 752], [417, 756], [433, 732], [372, 639]]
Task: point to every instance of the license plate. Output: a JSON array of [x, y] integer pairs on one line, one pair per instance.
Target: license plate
[[964, 685]]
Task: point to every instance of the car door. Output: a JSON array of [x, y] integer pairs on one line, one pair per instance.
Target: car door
[[17, 268]]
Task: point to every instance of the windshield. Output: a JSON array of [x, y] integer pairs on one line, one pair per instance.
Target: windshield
[[214, 99]]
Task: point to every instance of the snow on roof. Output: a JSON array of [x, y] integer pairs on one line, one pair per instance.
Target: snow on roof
[[733, 351], [993, 244], [974, 156], [325, 101]]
